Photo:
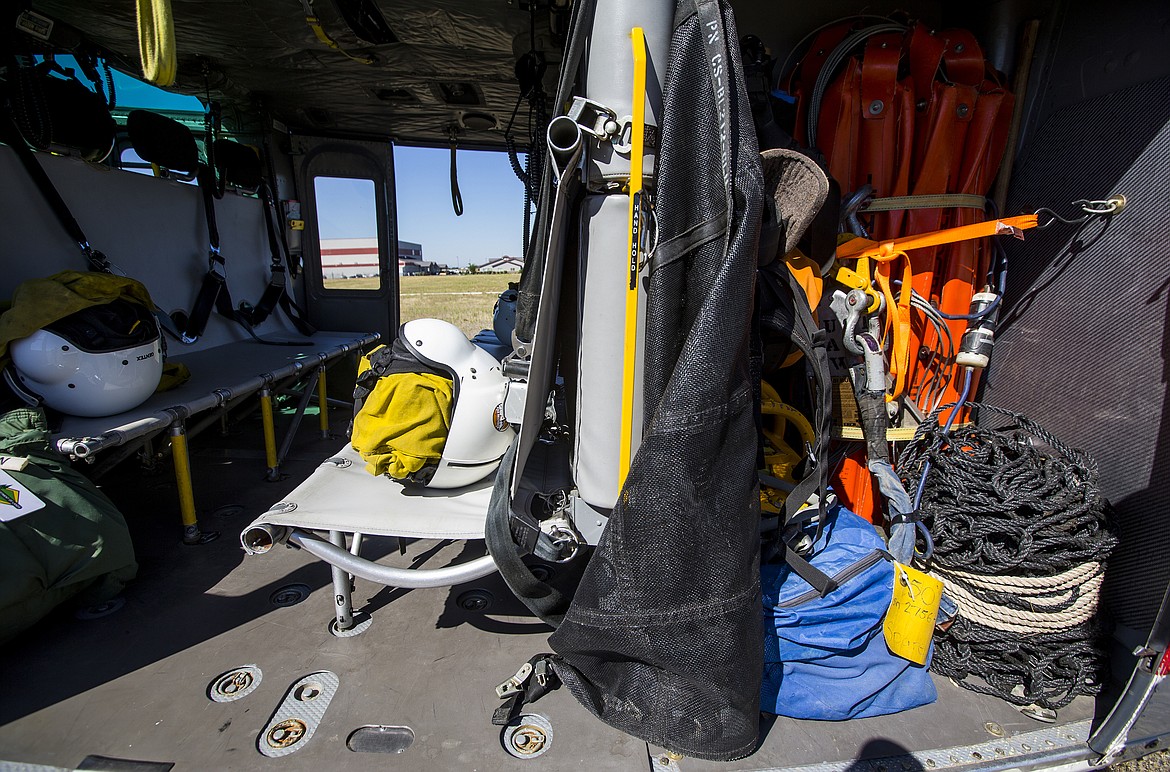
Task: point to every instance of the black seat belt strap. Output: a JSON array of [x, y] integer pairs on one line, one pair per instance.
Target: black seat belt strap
[[541, 598], [214, 284], [12, 136], [276, 293]]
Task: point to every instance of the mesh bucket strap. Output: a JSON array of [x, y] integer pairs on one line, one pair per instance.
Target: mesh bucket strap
[[811, 341]]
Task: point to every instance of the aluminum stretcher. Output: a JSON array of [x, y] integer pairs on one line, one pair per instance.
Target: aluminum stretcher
[[344, 501], [221, 377]]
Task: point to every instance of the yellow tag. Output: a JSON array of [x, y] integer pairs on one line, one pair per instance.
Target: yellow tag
[[910, 621]]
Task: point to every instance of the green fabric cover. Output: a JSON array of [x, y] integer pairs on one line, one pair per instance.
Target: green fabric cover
[[77, 546]]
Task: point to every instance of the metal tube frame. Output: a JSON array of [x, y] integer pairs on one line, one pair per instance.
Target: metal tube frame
[[298, 416], [342, 588], [410, 578]]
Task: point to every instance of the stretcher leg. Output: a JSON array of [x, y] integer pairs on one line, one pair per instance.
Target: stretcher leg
[[269, 434], [342, 589], [322, 403], [182, 461], [345, 624]]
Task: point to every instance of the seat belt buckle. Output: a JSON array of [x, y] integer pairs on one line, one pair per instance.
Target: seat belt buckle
[[278, 277], [525, 530], [515, 684]]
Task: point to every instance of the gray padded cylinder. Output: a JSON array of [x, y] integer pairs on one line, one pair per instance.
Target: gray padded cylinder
[[600, 356], [609, 78]]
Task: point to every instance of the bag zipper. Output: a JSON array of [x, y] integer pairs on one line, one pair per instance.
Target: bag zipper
[[840, 578]]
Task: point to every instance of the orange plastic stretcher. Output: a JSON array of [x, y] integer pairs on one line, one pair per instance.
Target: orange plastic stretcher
[[912, 112]]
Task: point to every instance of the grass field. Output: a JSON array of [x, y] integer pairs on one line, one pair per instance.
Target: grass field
[[465, 301]]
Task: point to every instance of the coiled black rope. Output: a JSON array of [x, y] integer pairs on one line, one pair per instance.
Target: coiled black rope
[[1021, 534]]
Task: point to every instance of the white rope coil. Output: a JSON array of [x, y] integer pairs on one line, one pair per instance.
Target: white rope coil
[[1029, 585], [1075, 604]]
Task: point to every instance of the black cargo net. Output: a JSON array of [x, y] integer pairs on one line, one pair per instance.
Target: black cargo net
[[1021, 534], [663, 639]]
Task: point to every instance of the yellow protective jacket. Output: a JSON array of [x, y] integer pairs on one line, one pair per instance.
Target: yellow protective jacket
[[403, 423]]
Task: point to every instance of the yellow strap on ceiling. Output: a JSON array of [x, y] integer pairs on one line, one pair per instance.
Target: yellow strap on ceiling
[[314, 23], [156, 42]]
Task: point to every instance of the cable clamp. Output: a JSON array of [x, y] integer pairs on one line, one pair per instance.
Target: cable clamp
[[907, 518]]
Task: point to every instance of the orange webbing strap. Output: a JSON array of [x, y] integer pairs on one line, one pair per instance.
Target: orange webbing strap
[[898, 322], [887, 250], [897, 318]]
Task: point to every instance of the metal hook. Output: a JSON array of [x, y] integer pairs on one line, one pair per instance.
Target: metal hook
[[1092, 208], [1103, 207]]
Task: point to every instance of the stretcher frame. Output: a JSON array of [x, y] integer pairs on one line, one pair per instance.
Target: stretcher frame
[[221, 377], [340, 504]]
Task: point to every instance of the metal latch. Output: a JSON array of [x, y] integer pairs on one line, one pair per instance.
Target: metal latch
[[542, 672], [515, 684], [594, 118]]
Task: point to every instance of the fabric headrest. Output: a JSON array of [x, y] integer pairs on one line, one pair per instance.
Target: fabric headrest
[[162, 141], [238, 165]]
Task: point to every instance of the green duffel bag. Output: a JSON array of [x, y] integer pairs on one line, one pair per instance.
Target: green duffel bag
[[60, 537]]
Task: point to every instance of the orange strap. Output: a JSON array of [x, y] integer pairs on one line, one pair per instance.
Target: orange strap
[[897, 318], [857, 248], [898, 307]]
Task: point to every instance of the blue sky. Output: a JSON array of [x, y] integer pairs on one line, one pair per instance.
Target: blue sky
[[492, 224], [493, 205], [493, 199]]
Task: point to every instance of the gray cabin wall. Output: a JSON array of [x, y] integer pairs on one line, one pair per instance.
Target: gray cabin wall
[[151, 229], [1084, 340]]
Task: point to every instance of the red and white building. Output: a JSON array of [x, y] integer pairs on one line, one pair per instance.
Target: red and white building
[[351, 258]]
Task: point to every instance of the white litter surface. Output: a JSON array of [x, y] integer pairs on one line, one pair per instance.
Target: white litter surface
[[342, 496]]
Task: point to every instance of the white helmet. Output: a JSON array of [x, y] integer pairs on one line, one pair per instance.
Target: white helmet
[[479, 436], [100, 361]]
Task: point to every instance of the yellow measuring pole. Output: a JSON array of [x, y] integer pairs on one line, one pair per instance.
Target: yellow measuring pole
[[638, 131]]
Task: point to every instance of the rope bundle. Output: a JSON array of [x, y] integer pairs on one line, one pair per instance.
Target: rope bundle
[[1021, 535]]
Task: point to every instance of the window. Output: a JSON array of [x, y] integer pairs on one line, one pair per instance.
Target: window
[[347, 226], [130, 93], [453, 268]]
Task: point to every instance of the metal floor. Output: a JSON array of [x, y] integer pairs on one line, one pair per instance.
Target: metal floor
[[133, 685]]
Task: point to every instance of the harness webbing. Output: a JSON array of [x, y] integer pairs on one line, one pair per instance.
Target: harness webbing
[[789, 311], [276, 293], [14, 139]]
